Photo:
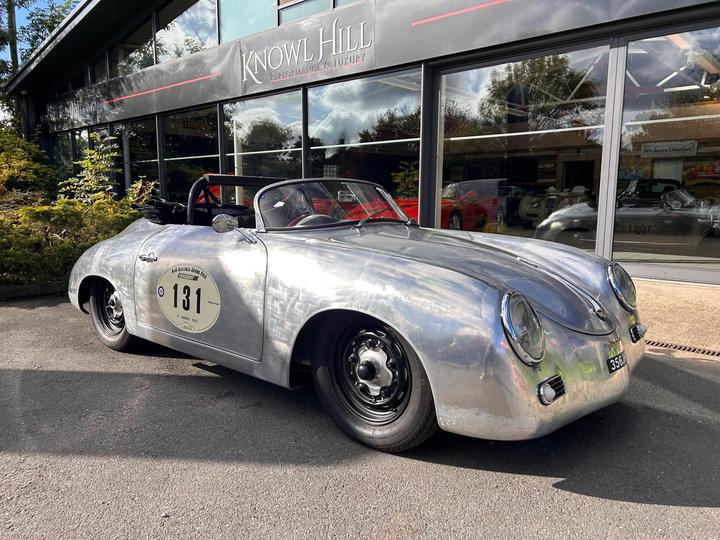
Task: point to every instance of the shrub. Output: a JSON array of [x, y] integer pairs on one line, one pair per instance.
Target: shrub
[[96, 171], [43, 242], [23, 165]]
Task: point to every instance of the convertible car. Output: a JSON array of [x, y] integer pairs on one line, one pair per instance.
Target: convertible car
[[403, 329]]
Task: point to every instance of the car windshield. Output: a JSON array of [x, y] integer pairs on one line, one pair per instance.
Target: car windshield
[[320, 203]]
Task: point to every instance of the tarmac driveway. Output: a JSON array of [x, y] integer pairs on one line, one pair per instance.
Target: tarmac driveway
[[97, 443]]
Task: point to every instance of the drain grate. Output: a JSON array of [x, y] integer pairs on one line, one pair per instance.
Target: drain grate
[[683, 348]]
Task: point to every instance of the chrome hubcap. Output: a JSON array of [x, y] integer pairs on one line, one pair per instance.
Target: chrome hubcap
[[372, 369], [114, 308]]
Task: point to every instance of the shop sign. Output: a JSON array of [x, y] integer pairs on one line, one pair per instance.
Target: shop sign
[[669, 149]]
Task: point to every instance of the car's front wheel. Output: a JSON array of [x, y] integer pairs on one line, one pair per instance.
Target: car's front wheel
[[108, 317], [373, 385]]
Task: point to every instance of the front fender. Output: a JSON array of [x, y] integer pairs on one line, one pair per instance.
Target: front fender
[[113, 260]]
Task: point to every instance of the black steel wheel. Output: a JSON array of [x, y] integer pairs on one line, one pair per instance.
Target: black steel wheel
[[106, 311], [455, 222], [373, 385]]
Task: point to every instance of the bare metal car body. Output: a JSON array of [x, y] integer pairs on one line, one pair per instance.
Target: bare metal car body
[[441, 290]]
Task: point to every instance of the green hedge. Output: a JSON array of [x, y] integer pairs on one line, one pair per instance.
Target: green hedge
[[40, 244]]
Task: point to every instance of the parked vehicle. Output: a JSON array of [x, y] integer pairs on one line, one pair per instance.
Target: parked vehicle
[[536, 208], [651, 215], [404, 329]]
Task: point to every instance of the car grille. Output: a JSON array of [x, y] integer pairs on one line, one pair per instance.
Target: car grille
[[557, 384]]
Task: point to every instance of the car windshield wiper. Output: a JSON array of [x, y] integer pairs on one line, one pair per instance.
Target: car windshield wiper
[[362, 222]]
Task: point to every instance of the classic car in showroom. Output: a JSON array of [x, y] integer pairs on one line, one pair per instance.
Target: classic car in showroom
[[402, 329], [536, 208], [471, 205], [656, 215]]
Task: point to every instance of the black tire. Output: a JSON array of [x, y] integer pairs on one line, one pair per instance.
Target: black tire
[[455, 222], [402, 415], [108, 320]]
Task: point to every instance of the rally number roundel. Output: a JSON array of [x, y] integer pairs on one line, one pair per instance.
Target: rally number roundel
[[189, 298]]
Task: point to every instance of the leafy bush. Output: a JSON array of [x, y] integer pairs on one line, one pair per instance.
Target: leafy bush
[[96, 171], [23, 165], [43, 242]]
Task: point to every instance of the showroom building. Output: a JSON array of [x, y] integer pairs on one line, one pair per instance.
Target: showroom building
[[590, 122]]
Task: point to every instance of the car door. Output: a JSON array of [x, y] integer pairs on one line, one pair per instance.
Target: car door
[[203, 286]]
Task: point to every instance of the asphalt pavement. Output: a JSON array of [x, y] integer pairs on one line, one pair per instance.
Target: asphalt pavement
[[95, 443]]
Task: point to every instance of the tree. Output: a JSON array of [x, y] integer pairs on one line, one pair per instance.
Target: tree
[[97, 168], [40, 24]]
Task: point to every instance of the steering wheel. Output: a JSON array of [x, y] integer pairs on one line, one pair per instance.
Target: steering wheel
[[313, 219]]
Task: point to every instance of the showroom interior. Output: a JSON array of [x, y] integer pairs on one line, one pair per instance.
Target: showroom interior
[[600, 129]]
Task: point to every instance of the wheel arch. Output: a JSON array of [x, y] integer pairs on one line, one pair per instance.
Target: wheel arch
[[301, 352], [83, 295]]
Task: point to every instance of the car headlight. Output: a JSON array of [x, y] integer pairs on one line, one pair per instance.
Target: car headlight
[[623, 285], [523, 328]]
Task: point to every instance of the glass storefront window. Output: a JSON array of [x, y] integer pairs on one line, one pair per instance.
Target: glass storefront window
[[98, 71], [668, 185], [82, 143], [186, 26], [137, 142], [240, 18], [303, 9], [134, 53], [191, 149], [520, 147], [369, 129], [264, 136]]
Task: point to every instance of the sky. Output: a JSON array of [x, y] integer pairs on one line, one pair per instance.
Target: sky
[[21, 19]]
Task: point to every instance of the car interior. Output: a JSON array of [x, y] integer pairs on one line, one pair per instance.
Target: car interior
[[210, 195]]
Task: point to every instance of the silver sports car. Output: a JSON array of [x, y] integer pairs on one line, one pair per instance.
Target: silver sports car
[[404, 329]]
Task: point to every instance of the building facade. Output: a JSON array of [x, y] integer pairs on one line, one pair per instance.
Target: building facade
[[593, 122]]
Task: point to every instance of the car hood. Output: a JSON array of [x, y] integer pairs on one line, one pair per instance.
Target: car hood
[[551, 294]]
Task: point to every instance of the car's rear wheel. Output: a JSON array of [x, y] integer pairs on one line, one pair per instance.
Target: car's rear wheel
[[106, 312], [455, 222], [373, 385]]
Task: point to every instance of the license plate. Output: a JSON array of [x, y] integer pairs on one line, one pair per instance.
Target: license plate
[[615, 357], [616, 362]]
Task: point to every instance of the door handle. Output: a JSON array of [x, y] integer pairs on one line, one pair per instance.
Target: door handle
[[147, 257]]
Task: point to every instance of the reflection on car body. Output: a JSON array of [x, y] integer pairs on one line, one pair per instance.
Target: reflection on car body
[[403, 329]]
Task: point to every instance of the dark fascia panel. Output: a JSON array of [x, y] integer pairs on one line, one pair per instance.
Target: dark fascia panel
[[81, 38]]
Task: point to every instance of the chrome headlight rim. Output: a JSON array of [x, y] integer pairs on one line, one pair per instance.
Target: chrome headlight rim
[[511, 332], [617, 289]]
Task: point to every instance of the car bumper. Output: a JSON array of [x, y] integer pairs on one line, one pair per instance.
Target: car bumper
[[502, 402]]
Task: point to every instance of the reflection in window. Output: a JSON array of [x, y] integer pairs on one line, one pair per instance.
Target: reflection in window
[[264, 136], [668, 187], [134, 53], [521, 142], [137, 142], [98, 71], [82, 143], [61, 152], [369, 129], [240, 18], [186, 26], [303, 9], [191, 149]]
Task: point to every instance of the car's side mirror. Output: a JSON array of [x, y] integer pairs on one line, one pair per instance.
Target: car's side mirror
[[675, 205], [223, 223]]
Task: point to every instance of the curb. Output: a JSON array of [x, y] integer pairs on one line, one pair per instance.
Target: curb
[[14, 292]]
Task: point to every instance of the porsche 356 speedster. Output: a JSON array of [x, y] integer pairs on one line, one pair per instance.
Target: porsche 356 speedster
[[403, 329]]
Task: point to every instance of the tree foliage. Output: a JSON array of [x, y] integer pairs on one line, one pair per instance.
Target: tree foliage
[[23, 165], [97, 167], [41, 21]]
